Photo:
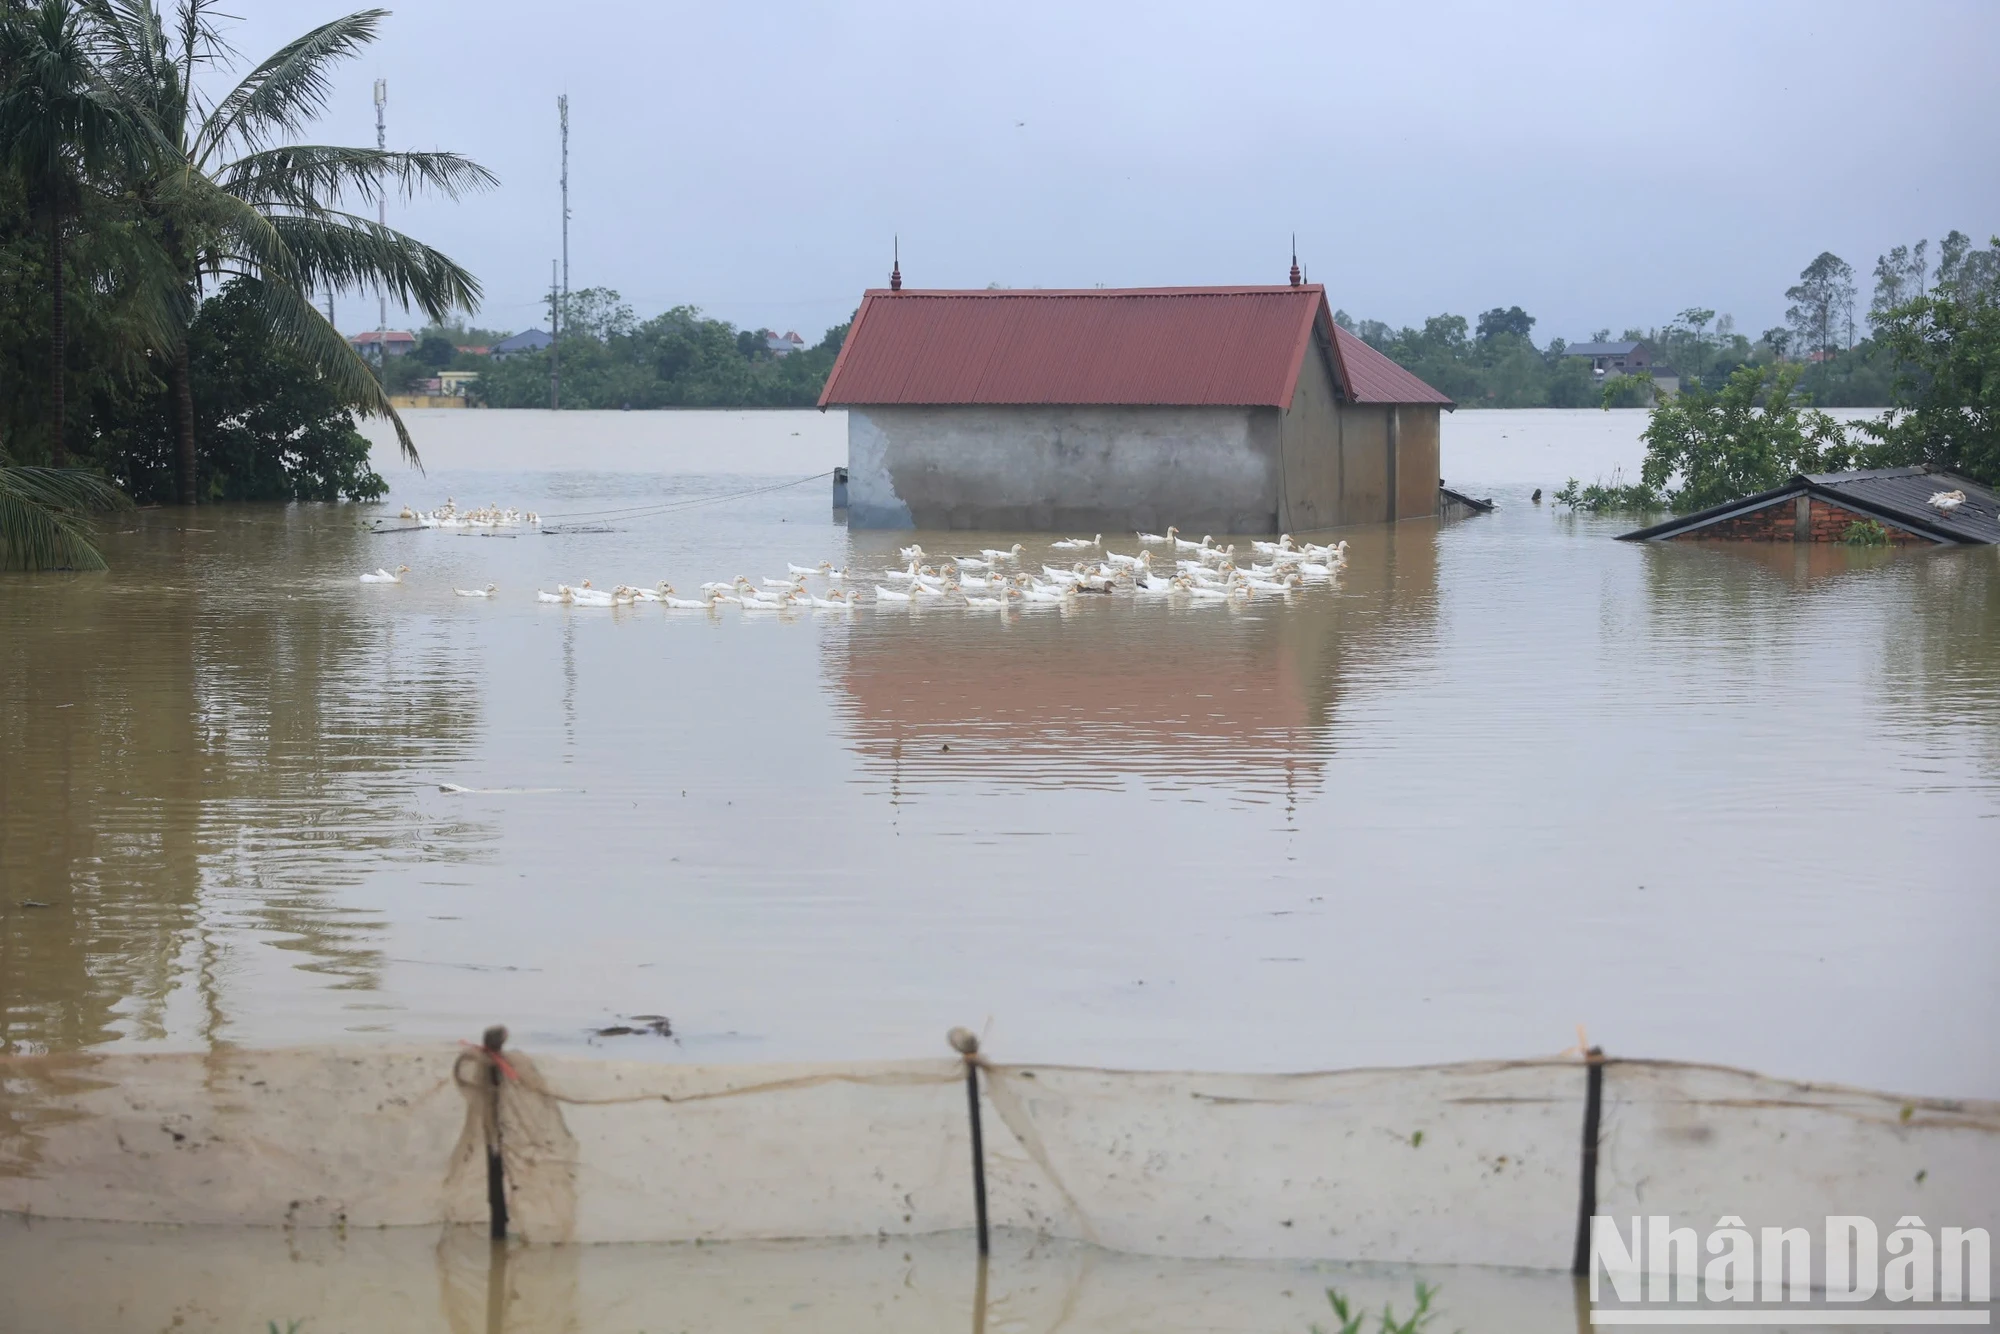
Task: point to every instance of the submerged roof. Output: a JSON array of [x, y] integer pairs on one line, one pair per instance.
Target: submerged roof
[[1898, 495], [1164, 346]]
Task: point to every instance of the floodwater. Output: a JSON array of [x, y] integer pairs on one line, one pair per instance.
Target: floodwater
[[57, 1277], [1506, 778]]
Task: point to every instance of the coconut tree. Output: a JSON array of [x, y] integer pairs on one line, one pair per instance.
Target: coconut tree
[[234, 195], [60, 127]]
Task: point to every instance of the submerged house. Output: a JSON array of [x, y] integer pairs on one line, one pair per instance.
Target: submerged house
[[1914, 506], [1219, 409]]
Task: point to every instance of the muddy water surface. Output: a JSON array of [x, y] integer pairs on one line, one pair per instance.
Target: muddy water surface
[[1504, 778]]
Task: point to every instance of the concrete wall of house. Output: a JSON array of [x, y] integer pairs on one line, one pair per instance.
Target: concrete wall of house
[[1416, 436], [1354, 463], [1081, 469], [1310, 438], [1364, 463]]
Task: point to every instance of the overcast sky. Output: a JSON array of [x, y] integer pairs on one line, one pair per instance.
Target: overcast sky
[[1600, 168]]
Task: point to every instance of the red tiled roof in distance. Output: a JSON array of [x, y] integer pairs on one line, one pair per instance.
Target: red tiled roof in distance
[[1165, 346]]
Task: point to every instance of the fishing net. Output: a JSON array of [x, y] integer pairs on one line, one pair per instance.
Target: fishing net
[[1461, 1164]]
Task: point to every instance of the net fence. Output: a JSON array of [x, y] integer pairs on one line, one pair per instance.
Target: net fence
[[1477, 1163]]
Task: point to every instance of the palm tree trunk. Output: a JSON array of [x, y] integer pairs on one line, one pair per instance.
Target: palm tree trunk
[[183, 390], [58, 341]]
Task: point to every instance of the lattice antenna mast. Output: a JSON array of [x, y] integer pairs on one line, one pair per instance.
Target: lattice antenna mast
[[382, 213], [562, 110]]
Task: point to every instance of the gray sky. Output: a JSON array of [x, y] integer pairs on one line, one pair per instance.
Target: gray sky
[[1598, 168]]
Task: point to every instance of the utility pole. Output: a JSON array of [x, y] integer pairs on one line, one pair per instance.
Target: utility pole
[[382, 216], [555, 340]]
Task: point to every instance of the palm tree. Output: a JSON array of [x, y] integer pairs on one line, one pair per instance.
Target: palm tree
[[233, 199], [60, 127], [44, 522]]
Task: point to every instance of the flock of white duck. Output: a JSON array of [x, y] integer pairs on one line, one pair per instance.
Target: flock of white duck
[[448, 515], [992, 580]]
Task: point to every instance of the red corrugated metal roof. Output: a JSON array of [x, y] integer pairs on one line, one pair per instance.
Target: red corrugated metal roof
[[1373, 378], [1170, 346]]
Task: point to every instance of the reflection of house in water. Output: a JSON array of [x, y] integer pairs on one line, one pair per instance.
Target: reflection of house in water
[[1117, 689]]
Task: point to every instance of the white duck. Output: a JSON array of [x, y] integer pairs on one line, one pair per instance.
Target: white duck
[[911, 553], [485, 592], [1012, 553], [1944, 502], [1169, 537], [1182, 544], [889, 595], [583, 595], [824, 567], [562, 594], [668, 599], [382, 576], [1078, 543], [835, 600]]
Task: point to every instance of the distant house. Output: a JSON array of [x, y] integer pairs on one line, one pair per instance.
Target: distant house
[[1221, 409], [533, 340], [1914, 506], [394, 343], [1608, 359], [783, 345]]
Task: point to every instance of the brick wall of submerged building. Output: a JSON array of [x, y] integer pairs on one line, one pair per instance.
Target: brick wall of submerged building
[[1779, 522]]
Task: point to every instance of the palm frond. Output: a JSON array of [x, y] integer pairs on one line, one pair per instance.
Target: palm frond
[[44, 523], [289, 89], [342, 251], [295, 322], [311, 178]]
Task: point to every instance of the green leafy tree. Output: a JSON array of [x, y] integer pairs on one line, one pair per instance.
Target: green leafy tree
[[1964, 270], [1513, 320], [233, 195], [1821, 300], [269, 426], [1750, 437], [1900, 277], [61, 130], [434, 350], [1946, 347]]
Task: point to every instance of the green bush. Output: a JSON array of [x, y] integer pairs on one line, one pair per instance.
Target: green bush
[[1750, 437], [267, 427]]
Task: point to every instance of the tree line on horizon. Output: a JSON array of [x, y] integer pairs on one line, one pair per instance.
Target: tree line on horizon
[[610, 359], [1495, 362]]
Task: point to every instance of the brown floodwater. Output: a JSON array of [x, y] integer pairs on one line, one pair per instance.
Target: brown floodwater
[[1505, 777]]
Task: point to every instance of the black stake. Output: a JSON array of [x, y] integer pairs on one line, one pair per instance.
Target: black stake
[[1593, 1114], [496, 1173], [966, 1043]]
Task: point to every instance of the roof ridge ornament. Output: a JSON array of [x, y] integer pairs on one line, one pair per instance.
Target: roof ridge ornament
[[896, 264], [1295, 259]]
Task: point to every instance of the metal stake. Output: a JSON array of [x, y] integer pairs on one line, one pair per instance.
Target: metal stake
[[966, 1043], [1593, 1114], [496, 1172]]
